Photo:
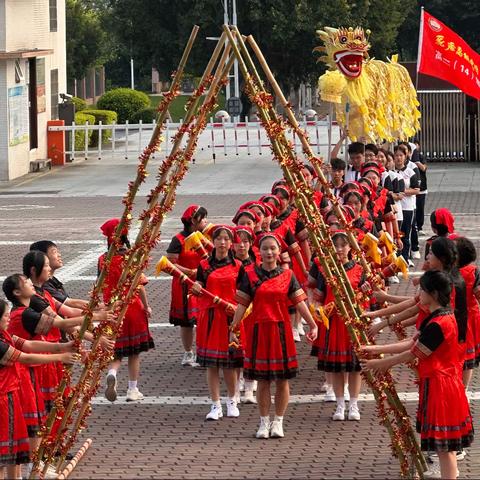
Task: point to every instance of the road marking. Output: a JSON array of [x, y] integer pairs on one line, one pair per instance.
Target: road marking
[[294, 399], [61, 242], [7, 208]]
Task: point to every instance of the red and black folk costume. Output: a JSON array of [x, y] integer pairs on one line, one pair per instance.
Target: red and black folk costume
[[270, 348], [443, 417], [471, 276], [183, 307], [134, 335], [31, 325], [213, 334], [333, 346], [14, 444]]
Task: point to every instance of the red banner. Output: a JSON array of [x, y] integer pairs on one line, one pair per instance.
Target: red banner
[[444, 54]]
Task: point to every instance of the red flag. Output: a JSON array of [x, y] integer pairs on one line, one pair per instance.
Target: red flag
[[444, 54]]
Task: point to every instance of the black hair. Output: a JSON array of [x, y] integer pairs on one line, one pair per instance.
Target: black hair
[[310, 169], [446, 251], [407, 145], [356, 147], [34, 259], [42, 245], [281, 192], [373, 148], [217, 232], [466, 251], [442, 230], [200, 214], [10, 284], [356, 193], [338, 235], [435, 281], [338, 164], [3, 306]]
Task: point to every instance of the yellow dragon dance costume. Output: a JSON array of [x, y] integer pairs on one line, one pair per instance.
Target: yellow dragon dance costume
[[381, 98]]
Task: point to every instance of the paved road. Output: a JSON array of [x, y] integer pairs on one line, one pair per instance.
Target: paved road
[[165, 436]]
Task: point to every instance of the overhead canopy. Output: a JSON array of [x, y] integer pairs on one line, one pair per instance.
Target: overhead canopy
[[25, 53]]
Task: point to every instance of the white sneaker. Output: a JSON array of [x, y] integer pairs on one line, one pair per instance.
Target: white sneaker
[[188, 360], [111, 390], [461, 454], [324, 387], [296, 335], [300, 329], [415, 255], [232, 409], [215, 412], [276, 429], [329, 395], [241, 384], [394, 279], [255, 383], [249, 397], [434, 472], [410, 263], [303, 321], [263, 430], [346, 393], [421, 233], [134, 394], [339, 414], [354, 413]]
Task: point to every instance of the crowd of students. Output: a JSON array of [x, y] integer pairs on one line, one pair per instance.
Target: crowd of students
[[262, 265]]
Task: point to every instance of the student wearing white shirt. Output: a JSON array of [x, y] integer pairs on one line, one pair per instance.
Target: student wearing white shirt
[[411, 181], [356, 152]]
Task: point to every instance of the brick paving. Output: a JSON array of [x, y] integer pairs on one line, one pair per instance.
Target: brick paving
[[174, 441]]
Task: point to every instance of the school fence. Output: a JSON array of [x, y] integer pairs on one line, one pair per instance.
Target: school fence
[[449, 130], [218, 139]]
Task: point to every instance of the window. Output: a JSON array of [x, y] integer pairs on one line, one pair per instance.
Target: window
[[53, 15], [54, 93]]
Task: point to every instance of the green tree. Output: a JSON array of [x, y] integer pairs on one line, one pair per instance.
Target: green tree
[[86, 38]]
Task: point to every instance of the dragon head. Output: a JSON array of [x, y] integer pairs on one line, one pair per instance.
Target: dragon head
[[345, 49]]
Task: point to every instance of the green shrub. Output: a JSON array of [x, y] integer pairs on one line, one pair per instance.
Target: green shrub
[[81, 119], [124, 101], [80, 104], [146, 115], [107, 117]]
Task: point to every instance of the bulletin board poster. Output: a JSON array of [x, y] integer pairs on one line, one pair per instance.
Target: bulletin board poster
[[41, 98], [18, 122]]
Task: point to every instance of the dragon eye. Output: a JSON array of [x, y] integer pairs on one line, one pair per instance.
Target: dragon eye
[[343, 39], [359, 37]]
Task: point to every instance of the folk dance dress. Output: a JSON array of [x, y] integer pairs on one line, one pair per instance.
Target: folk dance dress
[[31, 325], [213, 334], [14, 444], [333, 347], [443, 417], [183, 307], [270, 348], [134, 335], [471, 275]]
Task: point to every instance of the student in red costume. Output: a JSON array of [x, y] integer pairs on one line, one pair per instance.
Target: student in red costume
[[218, 275], [443, 416], [183, 307], [134, 335], [271, 353]]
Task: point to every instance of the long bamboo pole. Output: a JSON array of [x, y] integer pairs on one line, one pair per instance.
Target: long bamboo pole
[[167, 201], [391, 396], [239, 39], [134, 186]]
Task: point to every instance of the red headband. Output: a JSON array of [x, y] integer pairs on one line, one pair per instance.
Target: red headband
[[190, 212], [227, 228], [248, 213], [266, 198], [243, 229], [109, 227]]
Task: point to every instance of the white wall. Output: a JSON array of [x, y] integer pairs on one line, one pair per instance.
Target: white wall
[[33, 16]]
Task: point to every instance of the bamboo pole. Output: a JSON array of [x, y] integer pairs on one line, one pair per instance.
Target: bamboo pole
[[153, 144], [167, 201], [292, 180]]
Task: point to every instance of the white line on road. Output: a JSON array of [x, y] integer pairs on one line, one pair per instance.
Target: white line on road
[[295, 399], [62, 242]]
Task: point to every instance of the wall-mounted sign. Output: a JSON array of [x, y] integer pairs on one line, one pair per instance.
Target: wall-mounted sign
[[17, 115]]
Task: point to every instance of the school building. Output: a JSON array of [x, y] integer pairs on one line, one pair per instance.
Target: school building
[[32, 75]]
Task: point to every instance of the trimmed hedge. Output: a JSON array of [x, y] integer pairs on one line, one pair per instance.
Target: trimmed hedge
[[80, 104], [125, 101], [146, 115], [81, 119], [107, 117]]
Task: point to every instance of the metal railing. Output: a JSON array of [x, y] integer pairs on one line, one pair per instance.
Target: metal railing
[[219, 138]]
